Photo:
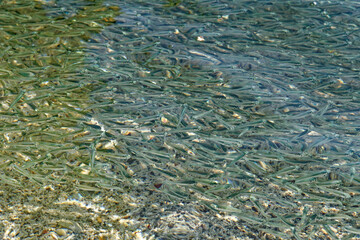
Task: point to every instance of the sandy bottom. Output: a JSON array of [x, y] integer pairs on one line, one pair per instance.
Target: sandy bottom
[[62, 212]]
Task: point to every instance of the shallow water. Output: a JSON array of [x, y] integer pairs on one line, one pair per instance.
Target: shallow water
[[224, 98], [245, 107]]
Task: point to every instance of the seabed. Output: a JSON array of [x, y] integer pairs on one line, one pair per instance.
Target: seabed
[[179, 119]]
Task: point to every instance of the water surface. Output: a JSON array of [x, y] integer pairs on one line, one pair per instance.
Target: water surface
[[249, 109]]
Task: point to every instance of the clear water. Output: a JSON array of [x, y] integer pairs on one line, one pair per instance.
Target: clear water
[[245, 107], [228, 95]]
